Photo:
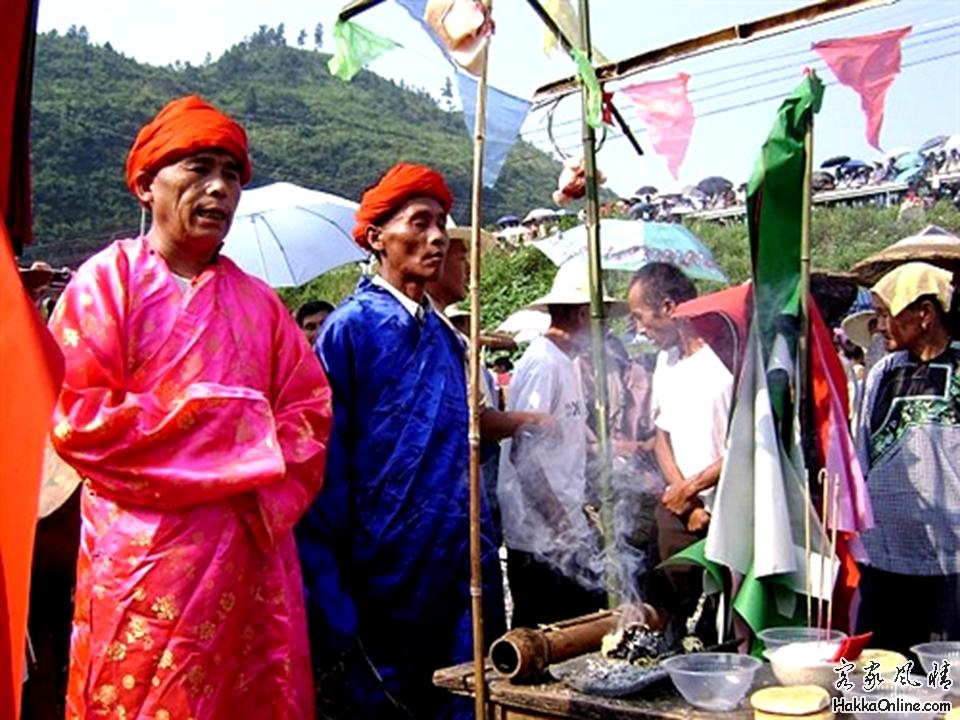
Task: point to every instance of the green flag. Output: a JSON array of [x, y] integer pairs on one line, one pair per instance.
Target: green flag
[[591, 86], [775, 210], [356, 47], [759, 511]]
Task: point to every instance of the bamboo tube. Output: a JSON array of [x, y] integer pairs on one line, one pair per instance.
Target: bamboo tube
[[525, 653]]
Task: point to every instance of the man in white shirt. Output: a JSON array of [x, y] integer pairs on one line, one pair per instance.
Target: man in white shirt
[[692, 394], [444, 292], [542, 484]]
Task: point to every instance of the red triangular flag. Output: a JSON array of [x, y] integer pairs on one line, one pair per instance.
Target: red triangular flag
[[665, 109], [868, 64], [607, 113], [851, 647]]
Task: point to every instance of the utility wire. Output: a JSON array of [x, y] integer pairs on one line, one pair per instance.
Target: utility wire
[[776, 96], [793, 66]]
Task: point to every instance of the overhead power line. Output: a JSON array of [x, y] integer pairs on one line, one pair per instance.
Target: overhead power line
[[776, 96], [694, 91]]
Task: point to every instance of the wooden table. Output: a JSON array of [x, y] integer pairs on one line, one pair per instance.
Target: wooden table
[[555, 701]]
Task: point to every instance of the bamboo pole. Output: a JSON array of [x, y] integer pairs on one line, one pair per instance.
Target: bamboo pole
[[734, 35], [356, 7], [598, 327], [476, 550], [557, 31], [803, 343]]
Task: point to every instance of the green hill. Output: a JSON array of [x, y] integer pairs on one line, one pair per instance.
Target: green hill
[[305, 127]]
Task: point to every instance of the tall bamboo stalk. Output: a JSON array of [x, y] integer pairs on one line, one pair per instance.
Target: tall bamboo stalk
[[476, 567], [803, 345], [598, 326], [804, 339]]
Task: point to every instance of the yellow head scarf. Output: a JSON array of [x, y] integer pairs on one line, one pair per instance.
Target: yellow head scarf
[[907, 282]]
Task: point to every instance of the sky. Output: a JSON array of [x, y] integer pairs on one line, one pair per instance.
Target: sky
[[735, 91]]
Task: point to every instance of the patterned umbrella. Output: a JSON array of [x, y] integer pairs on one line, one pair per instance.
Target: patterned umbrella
[[631, 244]]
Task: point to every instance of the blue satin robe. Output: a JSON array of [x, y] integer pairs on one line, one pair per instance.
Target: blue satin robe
[[385, 547]]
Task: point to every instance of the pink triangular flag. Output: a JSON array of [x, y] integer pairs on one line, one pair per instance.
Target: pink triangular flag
[[665, 109], [868, 64]]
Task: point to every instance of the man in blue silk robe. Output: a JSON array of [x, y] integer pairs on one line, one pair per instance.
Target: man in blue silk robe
[[385, 548]]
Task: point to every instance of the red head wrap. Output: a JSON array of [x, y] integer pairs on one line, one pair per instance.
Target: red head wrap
[[401, 183], [185, 126]]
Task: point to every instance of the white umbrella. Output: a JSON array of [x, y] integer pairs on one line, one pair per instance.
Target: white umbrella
[[539, 215], [288, 235], [511, 233], [525, 325]]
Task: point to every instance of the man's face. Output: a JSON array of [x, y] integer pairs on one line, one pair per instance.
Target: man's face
[[902, 331], [451, 286], [193, 199], [311, 326], [657, 323], [413, 243]]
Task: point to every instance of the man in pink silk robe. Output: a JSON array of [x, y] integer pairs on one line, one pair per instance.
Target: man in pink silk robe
[[199, 418]]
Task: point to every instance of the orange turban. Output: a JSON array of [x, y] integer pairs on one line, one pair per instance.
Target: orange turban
[[186, 126], [401, 183]]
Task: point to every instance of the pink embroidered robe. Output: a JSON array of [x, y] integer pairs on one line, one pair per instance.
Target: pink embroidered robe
[[199, 419]]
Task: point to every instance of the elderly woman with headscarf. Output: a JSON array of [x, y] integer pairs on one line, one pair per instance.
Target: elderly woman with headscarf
[[198, 418], [909, 446]]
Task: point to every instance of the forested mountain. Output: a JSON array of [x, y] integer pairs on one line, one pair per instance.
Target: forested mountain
[[305, 126]]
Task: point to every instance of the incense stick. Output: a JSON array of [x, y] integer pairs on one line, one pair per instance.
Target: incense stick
[[833, 547], [807, 510], [825, 494]]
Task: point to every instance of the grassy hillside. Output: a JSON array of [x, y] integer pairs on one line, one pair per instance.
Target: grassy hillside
[[305, 127]]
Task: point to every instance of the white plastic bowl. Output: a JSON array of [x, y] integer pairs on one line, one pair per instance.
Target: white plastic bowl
[[712, 681], [805, 663], [774, 638], [936, 652]]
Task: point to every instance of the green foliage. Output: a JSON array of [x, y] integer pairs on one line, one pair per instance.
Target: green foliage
[[333, 287], [305, 127], [512, 279], [839, 236]]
